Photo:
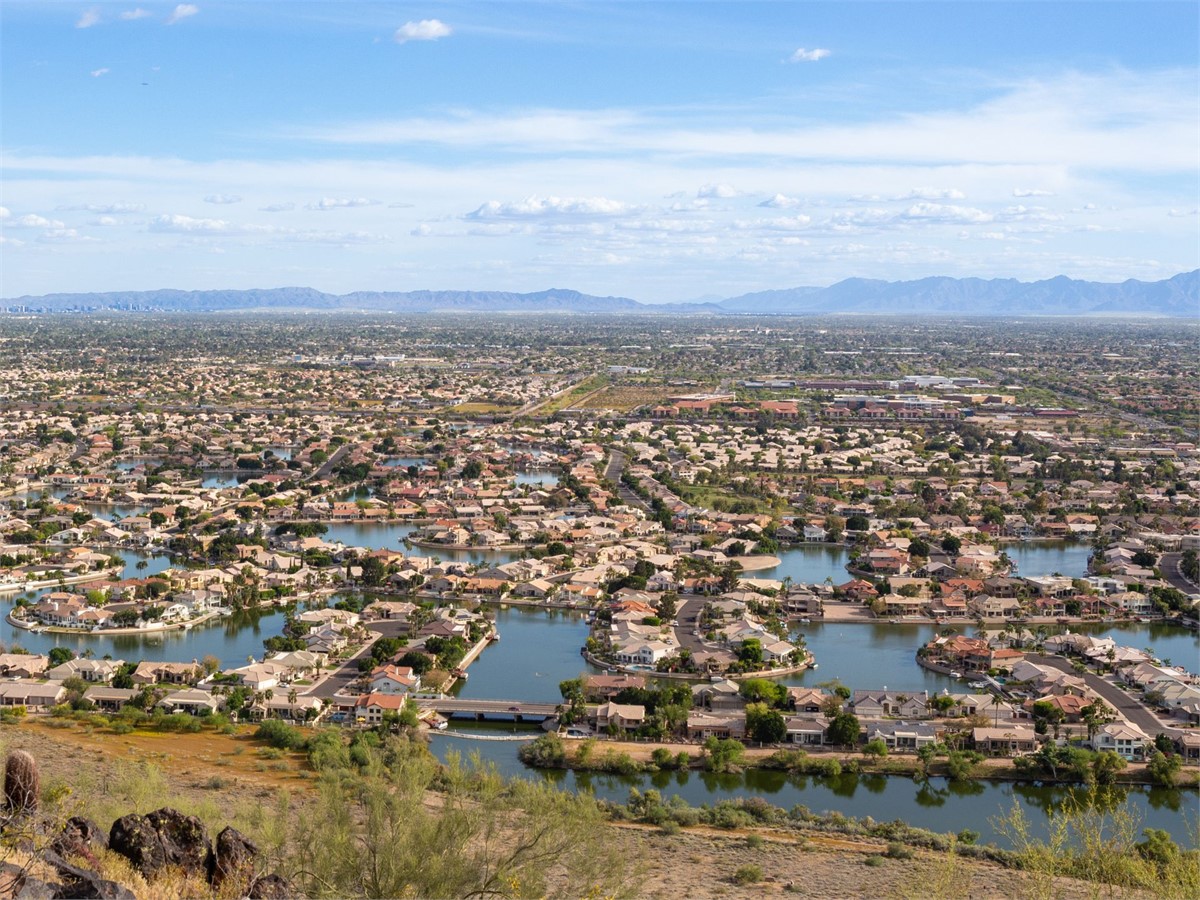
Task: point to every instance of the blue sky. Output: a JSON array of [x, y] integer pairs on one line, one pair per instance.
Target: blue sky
[[663, 151]]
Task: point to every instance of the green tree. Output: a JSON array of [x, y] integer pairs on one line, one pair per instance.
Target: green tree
[[765, 725], [844, 729]]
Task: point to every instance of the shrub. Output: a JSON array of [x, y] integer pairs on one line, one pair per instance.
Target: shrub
[[755, 842], [897, 850], [873, 861], [279, 735], [748, 874]]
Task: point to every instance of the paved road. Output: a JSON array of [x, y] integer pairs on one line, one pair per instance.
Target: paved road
[[1126, 704], [338, 681], [327, 466], [616, 465], [1169, 566], [490, 707]]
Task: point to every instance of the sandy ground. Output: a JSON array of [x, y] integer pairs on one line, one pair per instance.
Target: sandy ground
[[695, 863]]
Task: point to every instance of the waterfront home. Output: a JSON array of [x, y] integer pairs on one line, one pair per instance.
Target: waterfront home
[[191, 700], [22, 665], [718, 695], [93, 671], [167, 673], [281, 704], [807, 700], [645, 653], [808, 731], [604, 687], [1123, 738], [341, 619], [903, 736], [371, 708], [620, 716], [701, 726], [1005, 740], [392, 679], [986, 606], [881, 704], [1177, 696]]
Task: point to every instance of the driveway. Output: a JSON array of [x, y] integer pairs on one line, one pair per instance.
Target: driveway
[[1127, 705]]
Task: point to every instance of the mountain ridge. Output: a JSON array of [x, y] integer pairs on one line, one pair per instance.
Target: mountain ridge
[[1178, 296]]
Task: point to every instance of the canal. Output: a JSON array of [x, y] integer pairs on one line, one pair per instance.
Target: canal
[[939, 805]]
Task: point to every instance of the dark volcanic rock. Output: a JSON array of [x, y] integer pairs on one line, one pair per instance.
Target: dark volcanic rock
[[232, 857], [163, 838], [83, 884], [80, 837], [271, 887]]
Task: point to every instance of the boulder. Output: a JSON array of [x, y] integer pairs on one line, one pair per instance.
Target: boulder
[[80, 837], [233, 857], [165, 837], [271, 887], [83, 884]]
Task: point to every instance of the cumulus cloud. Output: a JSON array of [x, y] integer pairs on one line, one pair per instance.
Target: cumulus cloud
[[177, 224], [88, 19], [941, 212], [96, 73], [104, 208], [327, 203], [181, 12], [277, 207], [222, 199], [61, 236], [929, 193], [716, 192], [1173, 213], [32, 220], [131, 15], [805, 55], [5, 212], [534, 207], [424, 30], [780, 201], [104, 221], [1031, 192], [779, 223]]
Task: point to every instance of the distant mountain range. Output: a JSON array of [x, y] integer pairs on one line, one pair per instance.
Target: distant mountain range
[[940, 296]]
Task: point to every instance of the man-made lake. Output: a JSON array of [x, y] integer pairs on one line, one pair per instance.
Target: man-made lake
[[939, 805], [1035, 558], [537, 649], [537, 479], [814, 563], [231, 639]]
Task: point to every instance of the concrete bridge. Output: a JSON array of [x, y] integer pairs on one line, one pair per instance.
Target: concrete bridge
[[517, 710]]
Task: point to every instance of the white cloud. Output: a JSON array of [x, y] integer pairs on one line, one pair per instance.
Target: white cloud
[[400, 205], [132, 14], [222, 199], [780, 201], [929, 193], [96, 73], [32, 220], [5, 239], [326, 203], [939, 212], [181, 12], [277, 207], [61, 236], [424, 30], [779, 223], [1031, 192], [1180, 213], [5, 212], [533, 207], [716, 192], [105, 208], [88, 19], [176, 224], [104, 221], [803, 55]]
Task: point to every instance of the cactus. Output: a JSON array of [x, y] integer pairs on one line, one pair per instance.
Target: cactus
[[21, 783]]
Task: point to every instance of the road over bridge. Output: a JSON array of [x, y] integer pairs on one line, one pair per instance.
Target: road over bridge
[[520, 710]]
